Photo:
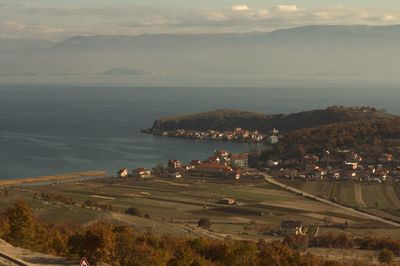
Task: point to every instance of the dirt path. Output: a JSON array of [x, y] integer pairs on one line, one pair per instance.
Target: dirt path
[[272, 181], [359, 198], [10, 255], [200, 232], [392, 196]]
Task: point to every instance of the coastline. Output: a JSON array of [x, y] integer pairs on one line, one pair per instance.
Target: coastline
[[51, 178]]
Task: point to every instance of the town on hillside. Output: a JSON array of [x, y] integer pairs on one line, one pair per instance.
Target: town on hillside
[[338, 165]]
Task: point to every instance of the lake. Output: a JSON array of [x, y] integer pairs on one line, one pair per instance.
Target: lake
[[55, 129]]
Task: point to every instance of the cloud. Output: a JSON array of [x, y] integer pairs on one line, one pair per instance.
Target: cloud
[[262, 13], [288, 8], [389, 18], [12, 29], [324, 15], [216, 16], [64, 21], [239, 8], [159, 21], [12, 25]]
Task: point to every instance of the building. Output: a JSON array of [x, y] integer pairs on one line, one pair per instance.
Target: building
[[123, 172], [228, 201], [176, 175], [195, 162], [213, 169], [350, 165], [141, 173], [221, 153], [272, 163], [240, 160], [273, 139], [274, 131], [237, 174], [349, 174], [174, 164], [292, 228]]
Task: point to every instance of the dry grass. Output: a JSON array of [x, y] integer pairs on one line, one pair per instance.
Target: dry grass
[[366, 257], [60, 177]]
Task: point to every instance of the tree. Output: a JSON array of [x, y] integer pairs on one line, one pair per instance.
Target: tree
[[204, 223], [186, 257], [385, 256], [133, 211], [97, 243], [22, 223], [159, 169], [299, 151], [241, 253]]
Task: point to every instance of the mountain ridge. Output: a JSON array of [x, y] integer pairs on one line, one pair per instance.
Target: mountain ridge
[[323, 52]]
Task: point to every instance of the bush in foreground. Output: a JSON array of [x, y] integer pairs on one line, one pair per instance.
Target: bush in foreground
[[385, 256], [204, 223]]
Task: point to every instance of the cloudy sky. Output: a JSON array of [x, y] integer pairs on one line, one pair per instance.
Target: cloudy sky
[[58, 19]]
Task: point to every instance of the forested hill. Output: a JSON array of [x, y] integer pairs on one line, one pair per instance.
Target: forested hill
[[229, 119]]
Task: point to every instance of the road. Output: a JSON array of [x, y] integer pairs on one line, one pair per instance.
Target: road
[[273, 181], [8, 260]]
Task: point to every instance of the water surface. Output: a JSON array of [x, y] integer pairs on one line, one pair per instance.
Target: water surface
[[55, 129]]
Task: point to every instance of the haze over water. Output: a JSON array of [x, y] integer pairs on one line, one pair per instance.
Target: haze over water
[[56, 129]]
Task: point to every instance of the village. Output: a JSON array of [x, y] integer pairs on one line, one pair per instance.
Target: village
[[341, 165], [221, 164], [237, 135]]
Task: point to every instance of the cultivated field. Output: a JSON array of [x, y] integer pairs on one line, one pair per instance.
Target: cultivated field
[[175, 206], [380, 199]]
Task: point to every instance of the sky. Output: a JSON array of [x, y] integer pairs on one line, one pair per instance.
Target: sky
[[60, 19]]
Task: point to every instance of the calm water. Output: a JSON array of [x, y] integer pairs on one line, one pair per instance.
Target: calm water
[[47, 130]]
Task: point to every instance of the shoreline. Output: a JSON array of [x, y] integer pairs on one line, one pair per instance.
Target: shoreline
[[173, 134], [51, 178]]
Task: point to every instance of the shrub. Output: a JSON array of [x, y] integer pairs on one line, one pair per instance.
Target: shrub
[[133, 211], [385, 256], [204, 223]]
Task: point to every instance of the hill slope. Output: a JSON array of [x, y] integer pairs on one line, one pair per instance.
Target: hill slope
[[230, 119]]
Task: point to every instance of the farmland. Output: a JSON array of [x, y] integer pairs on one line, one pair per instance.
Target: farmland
[[380, 199], [175, 206]]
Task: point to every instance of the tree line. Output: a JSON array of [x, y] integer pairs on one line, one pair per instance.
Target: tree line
[[356, 134]]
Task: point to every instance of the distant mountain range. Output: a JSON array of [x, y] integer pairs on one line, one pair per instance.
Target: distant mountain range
[[331, 52]]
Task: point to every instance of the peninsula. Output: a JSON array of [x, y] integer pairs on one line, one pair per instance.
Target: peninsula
[[243, 126]]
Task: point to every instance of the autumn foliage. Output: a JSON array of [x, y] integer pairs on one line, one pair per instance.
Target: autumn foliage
[[120, 245]]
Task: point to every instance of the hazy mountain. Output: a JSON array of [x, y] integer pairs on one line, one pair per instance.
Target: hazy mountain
[[18, 44], [332, 52], [123, 72]]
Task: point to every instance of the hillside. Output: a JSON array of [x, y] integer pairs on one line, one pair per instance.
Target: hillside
[[229, 119]]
